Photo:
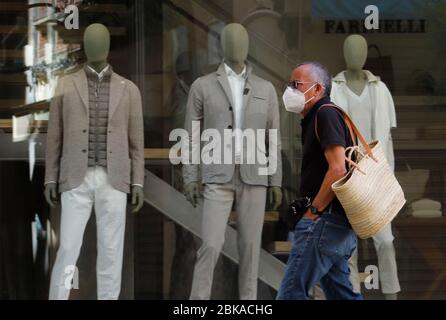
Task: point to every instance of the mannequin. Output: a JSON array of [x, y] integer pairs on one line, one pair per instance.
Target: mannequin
[[94, 158], [97, 47], [369, 103], [355, 54], [233, 98], [235, 44]]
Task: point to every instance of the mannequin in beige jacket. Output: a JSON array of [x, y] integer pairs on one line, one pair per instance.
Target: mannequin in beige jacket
[[95, 155], [97, 59]]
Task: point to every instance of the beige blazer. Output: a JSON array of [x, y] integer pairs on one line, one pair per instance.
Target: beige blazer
[[67, 138], [210, 102]]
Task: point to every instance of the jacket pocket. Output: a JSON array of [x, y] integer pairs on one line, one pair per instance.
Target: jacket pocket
[[259, 98]]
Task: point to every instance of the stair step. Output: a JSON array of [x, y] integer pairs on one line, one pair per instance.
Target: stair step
[[8, 103], [18, 78], [280, 247], [9, 6], [419, 222], [12, 53], [12, 29]]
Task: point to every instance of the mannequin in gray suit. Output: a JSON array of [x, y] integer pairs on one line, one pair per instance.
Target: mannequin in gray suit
[[232, 98]]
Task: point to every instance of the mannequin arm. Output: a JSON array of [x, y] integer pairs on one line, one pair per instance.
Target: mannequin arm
[[137, 198], [275, 197], [194, 113], [275, 146], [51, 194], [136, 137], [54, 136], [192, 193]]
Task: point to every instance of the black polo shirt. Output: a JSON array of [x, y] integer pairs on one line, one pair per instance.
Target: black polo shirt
[[332, 131]]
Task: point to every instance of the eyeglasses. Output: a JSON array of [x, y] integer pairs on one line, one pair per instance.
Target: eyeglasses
[[295, 83]]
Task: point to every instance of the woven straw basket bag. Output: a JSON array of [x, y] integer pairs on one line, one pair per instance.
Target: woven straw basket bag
[[370, 193]]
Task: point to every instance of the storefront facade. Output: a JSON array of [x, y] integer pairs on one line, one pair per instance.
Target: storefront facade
[[163, 47]]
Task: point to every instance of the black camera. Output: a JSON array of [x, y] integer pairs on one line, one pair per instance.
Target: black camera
[[296, 211]]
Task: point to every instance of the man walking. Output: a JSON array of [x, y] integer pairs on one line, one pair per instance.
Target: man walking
[[324, 239]]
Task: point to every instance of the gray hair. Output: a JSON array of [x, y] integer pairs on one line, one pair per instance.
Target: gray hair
[[319, 74]]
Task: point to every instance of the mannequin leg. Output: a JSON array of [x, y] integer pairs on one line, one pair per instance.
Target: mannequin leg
[[354, 272], [110, 208], [76, 209], [250, 206], [388, 271], [216, 210]]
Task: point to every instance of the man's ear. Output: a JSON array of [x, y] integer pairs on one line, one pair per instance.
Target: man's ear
[[319, 90]]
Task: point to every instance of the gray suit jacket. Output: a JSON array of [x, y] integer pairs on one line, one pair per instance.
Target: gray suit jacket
[[67, 138], [210, 102]]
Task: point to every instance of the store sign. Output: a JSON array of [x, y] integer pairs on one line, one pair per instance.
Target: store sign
[[389, 9], [406, 26], [362, 16]]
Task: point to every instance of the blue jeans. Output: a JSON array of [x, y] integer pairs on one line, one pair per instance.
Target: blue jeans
[[320, 254]]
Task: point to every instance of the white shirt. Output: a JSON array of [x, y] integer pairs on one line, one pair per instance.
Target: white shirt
[[361, 111], [99, 74], [384, 115], [237, 83]]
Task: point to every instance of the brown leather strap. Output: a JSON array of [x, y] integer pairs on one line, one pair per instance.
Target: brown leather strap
[[354, 132]]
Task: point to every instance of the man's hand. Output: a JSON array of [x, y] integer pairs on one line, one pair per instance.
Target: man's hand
[[137, 198], [192, 193], [275, 197], [51, 194], [310, 215]]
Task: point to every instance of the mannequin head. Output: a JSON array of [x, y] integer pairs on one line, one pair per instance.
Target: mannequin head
[[355, 52], [235, 43], [96, 43]]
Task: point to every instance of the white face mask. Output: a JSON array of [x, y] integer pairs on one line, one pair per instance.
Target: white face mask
[[294, 99]]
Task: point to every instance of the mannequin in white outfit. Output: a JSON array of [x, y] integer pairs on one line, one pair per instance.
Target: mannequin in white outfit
[[369, 103]]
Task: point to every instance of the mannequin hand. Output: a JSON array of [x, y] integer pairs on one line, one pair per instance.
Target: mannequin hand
[[137, 198], [275, 197], [192, 193], [51, 194]]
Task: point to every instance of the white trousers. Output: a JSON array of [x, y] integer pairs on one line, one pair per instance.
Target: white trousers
[[250, 208], [387, 267], [110, 209]]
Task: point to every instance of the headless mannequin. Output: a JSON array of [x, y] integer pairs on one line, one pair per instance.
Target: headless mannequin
[[97, 47], [355, 54], [235, 44]]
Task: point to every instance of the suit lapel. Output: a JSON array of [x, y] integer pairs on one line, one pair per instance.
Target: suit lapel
[[224, 82], [81, 84], [117, 85]]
